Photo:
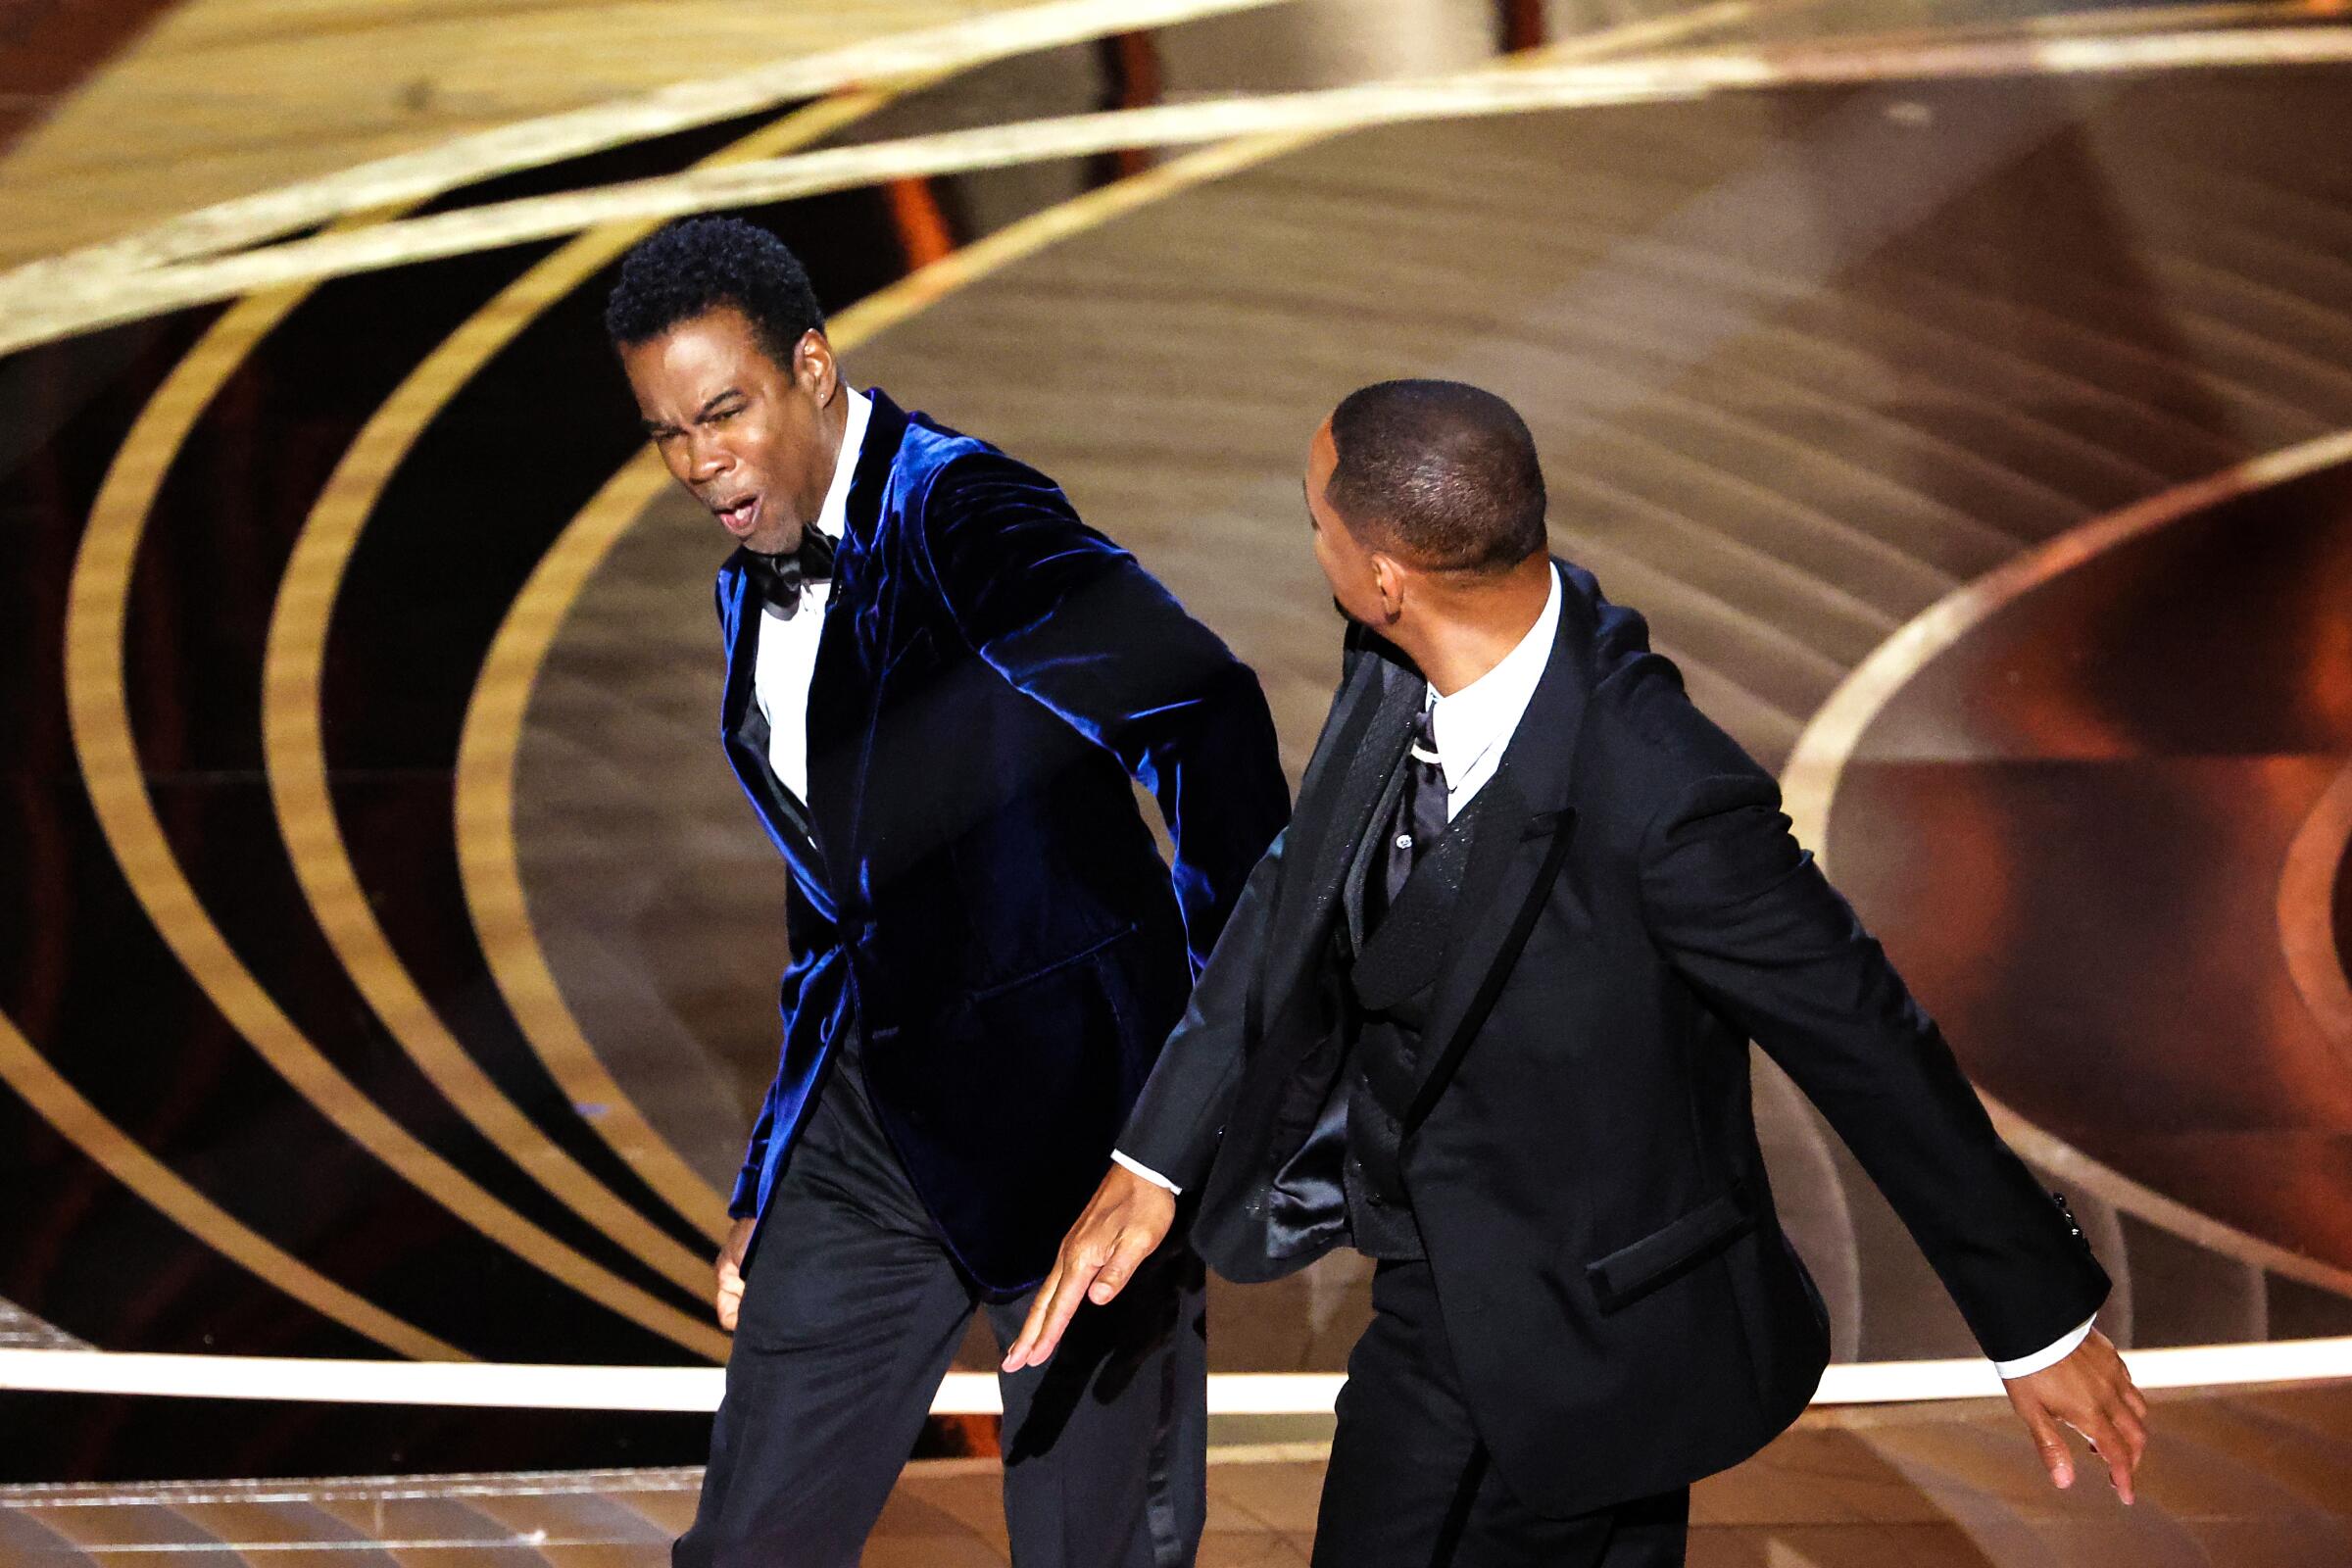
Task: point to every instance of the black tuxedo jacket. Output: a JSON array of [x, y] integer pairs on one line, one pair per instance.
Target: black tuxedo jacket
[[1581, 1154], [972, 886]]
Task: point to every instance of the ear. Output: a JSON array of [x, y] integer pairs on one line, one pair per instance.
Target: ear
[[1387, 575], [813, 367]]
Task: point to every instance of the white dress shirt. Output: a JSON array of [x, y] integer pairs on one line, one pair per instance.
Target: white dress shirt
[[787, 656], [1472, 729]]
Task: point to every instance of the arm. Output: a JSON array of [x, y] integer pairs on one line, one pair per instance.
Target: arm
[[1748, 919], [1072, 621], [1173, 1129]]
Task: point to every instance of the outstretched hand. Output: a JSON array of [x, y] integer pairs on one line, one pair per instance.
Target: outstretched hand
[[1123, 1224], [2092, 1391]]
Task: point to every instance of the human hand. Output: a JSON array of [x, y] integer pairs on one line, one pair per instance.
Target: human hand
[[2092, 1391], [1123, 1224], [727, 1296]]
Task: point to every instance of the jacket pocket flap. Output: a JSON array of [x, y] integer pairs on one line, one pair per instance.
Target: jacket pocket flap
[[1635, 1271]]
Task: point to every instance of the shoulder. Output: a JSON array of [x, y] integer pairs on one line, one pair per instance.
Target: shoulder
[[1649, 746], [943, 468], [1650, 725]]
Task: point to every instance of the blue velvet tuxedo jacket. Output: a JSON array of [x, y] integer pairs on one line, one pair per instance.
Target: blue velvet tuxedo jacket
[[972, 886]]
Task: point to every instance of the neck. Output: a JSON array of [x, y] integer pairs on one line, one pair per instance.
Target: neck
[[1464, 628], [833, 426]]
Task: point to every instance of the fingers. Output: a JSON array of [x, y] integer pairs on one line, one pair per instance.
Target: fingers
[[1034, 1323], [2113, 1448], [2050, 1443], [727, 1296], [2128, 1441], [1126, 1256], [2106, 1420], [1049, 1315], [1121, 1227]]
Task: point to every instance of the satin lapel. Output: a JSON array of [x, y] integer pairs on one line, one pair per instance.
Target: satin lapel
[[1520, 844], [1370, 748], [1333, 810], [743, 649], [842, 685], [744, 735]]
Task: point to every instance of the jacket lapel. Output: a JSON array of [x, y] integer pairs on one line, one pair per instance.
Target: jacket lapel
[[1343, 786], [744, 735]]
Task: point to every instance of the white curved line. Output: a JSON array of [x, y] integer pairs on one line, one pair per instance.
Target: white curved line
[[78, 302], [411, 177], [1809, 783], [692, 1390]]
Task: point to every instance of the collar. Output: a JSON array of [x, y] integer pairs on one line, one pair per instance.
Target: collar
[[1480, 717], [832, 518]]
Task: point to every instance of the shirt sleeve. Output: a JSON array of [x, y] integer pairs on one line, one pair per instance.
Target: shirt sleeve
[[1144, 1171], [2047, 1356]]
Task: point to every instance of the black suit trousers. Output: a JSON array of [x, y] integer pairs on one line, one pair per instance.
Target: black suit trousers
[[852, 1310], [1410, 1486]]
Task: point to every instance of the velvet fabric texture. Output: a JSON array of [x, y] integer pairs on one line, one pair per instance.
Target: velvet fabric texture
[[971, 881]]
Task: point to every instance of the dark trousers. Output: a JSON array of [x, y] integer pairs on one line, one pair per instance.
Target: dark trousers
[[853, 1309], [1411, 1487]]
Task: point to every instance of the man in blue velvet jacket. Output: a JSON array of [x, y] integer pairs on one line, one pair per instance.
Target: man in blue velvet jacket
[[938, 682]]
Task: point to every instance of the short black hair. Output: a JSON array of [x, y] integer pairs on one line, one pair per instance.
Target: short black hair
[[699, 265], [1444, 473]]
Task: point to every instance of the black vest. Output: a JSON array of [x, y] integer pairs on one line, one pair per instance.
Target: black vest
[[1386, 981]]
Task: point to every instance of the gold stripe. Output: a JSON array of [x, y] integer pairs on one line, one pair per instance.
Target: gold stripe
[[487, 860], [115, 1151], [1817, 764], [410, 178], [291, 717], [100, 717], [889, 306], [486, 754], [72, 304]]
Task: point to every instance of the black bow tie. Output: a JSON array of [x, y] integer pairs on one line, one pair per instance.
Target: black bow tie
[[778, 578]]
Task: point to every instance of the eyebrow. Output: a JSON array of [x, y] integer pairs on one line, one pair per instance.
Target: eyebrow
[[656, 427]]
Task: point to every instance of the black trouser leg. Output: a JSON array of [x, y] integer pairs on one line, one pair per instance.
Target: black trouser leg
[[1410, 1486], [1105, 1445], [851, 1312]]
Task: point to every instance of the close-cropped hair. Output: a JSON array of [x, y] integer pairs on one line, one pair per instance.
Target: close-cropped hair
[[1439, 472], [699, 265]]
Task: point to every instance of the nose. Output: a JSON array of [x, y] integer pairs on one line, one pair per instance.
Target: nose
[[706, 458]]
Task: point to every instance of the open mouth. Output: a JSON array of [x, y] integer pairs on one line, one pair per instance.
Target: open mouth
[[739, 516]]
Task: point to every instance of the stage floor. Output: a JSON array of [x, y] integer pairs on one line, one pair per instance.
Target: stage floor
[[2257, 1477]]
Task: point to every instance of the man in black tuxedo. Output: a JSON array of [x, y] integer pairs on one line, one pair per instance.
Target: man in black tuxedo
[[938, 682], [1482, 1013]]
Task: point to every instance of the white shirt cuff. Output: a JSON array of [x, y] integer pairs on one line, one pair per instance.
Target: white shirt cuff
[[2027, 1364], [1144, 1171]]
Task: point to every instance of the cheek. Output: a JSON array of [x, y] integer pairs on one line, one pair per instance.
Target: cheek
[[772, 451], [1334, 565]]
